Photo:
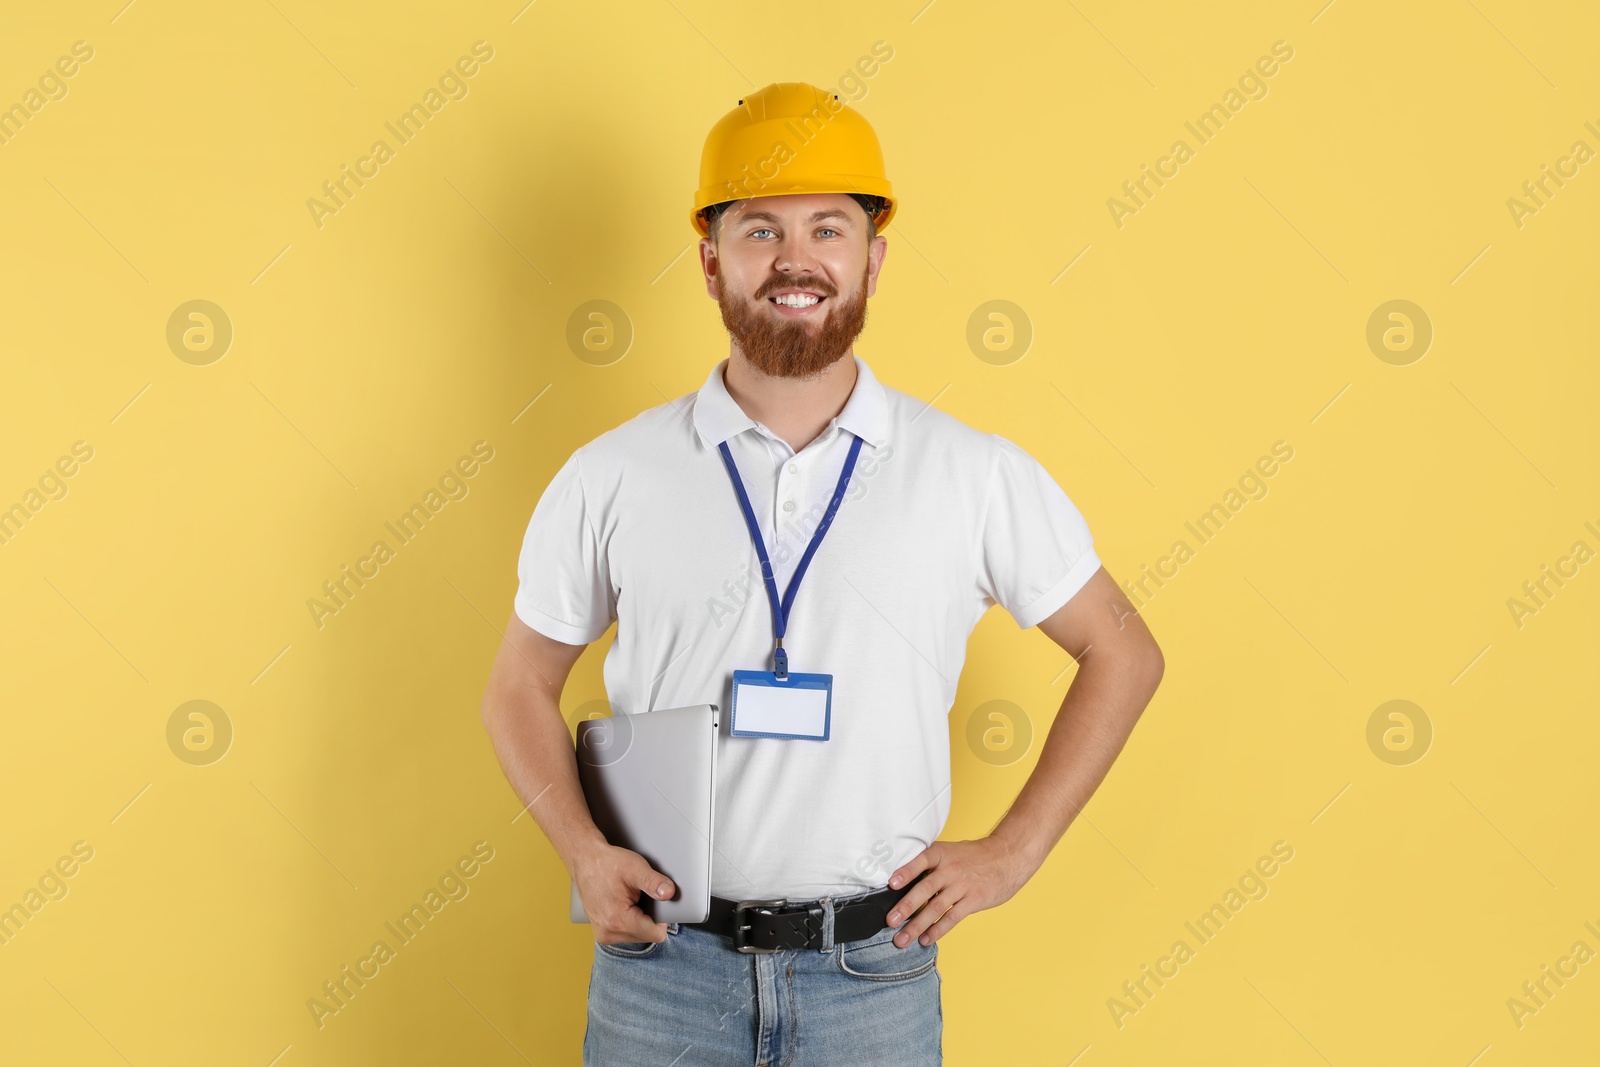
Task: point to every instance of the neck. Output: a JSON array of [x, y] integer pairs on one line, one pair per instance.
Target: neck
[[796, 409]]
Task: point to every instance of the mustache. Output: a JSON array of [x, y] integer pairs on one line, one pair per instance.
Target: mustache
[[784, 281]]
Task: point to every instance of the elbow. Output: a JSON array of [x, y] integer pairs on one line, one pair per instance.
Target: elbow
[[488, 709], [1154, 666]]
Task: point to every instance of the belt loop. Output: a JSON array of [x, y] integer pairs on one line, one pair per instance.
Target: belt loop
[[827, 924]]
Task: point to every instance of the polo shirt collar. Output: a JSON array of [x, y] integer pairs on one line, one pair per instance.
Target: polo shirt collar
[[717, 416]]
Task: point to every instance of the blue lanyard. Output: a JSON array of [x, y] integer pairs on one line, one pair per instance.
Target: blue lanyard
[[780, 612]]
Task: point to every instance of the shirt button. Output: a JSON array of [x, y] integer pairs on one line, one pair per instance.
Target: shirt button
[[788, 505], [793, 469]]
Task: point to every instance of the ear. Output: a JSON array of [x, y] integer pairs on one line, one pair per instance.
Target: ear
[[875, 254], [711, 268]]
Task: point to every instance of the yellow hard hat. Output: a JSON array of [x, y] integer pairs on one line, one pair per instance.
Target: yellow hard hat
[[786, 139]]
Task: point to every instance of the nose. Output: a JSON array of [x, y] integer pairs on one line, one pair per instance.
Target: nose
[[794, 254]]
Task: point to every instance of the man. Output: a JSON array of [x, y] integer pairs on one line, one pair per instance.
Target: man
[[905, 526]]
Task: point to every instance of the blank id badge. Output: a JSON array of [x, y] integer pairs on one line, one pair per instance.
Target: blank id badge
[[798, 706]]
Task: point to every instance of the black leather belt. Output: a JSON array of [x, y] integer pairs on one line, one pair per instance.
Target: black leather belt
[[776, 925]]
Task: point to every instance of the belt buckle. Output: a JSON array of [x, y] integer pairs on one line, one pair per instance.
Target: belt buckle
[[739, 928]]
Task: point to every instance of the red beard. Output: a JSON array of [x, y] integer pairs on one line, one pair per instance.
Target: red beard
[[783, 348]]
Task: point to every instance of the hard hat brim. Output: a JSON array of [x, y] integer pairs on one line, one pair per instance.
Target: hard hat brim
[[845, 184]]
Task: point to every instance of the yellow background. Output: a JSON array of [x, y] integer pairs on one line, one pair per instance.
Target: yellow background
[[368, 354]]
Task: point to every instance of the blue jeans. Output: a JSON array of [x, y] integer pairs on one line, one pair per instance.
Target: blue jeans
[[693, 1000]]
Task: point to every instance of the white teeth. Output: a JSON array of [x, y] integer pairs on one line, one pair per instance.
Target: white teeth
[[796, 300]]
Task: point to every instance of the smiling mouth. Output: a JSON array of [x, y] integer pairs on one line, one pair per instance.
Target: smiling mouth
[[796, 303]]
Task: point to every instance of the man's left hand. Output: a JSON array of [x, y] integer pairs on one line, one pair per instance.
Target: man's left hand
[[963, 877]]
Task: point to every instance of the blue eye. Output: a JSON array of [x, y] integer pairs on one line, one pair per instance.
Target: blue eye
[[829, 229], [763, 229]]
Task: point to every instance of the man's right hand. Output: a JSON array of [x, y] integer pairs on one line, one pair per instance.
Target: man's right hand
[[522, 712], [609, 880]]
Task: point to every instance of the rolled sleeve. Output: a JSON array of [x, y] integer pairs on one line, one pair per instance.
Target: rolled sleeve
[[563, 582], [1037, 551]]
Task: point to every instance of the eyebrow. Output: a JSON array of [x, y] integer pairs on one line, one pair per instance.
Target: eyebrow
[[816, 216]]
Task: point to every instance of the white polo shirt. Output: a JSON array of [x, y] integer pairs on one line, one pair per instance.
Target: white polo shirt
[[940, 522]]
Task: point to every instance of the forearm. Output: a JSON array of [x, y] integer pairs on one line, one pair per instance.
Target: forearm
[[1101, 707], [530, 738]]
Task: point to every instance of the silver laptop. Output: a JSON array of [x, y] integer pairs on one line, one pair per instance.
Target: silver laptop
[[650, 782]]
